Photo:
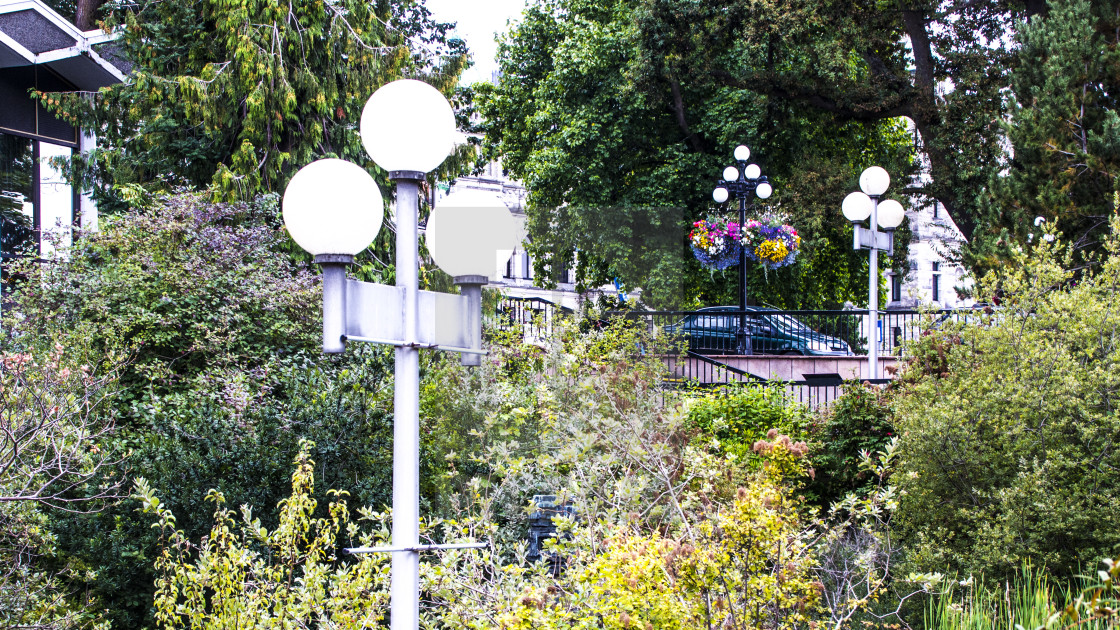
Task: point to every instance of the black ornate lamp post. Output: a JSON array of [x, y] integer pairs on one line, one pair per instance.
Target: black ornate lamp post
[[741, 181]]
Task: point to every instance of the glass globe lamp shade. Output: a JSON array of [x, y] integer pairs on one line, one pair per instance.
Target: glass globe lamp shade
[[458, 139], [408, 126], [856, 207], [752, 171], [471, 233], [730, 174], [719, 194], [874, 181], [742, 153], [764, 190], [890, 214], [332, 207]]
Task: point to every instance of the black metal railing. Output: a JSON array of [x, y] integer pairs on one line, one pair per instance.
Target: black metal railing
[[792, 332], [694, 344], [534, 318], [800, 332]]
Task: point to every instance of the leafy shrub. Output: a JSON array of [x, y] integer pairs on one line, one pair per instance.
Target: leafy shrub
[[187, 286], [53, 459], [741, 561], [740, 415], [225, 377], [858, 422], [1010, 454], [243, 574], [669, 532]]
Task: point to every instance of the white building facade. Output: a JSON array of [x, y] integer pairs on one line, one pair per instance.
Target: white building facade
[[517, 279]]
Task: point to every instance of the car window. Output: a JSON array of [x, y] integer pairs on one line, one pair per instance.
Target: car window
[[714, 322], [786, 322]]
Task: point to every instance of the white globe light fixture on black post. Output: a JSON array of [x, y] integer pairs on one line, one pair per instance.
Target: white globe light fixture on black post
[[333, 209], [741, 182], [888, 215]]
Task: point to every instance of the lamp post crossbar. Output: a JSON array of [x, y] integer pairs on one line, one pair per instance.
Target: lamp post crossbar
[[375, 313], [425, 346], [864, 238], [416, 548]]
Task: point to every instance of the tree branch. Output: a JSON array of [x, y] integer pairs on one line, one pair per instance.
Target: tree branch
[[867, 112], [682, 121]]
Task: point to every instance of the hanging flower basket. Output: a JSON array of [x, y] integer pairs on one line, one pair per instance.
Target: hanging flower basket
[[714, 243], [770, 241]]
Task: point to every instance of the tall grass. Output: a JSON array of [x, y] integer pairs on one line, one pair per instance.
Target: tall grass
[[1029, 602]]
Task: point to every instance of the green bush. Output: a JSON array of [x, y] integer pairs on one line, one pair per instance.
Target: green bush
[[858, 422], [740, 415], [1010, 434], [225, 378]]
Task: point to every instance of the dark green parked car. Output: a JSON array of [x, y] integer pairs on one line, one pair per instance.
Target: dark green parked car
[[712, 330]]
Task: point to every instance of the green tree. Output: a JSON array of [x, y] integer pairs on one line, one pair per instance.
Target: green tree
[[1064, 128], [620, 163], [241, 94], [942, 65], [1009, 449]]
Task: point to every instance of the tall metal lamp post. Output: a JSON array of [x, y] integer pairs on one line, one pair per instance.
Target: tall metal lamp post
[[887, 214], [333, 209], [741, 181]]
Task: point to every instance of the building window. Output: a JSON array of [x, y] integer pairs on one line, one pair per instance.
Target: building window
[[17, 195], [562, 273], [896, 287], [936, 282]]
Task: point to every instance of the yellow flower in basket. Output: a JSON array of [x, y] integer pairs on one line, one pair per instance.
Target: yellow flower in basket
[[772, 250]]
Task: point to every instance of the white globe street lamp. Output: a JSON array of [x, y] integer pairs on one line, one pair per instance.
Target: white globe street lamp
[[891, 214], [470, 235], [408, 126], [887, 214], [874, 181], [333, 209], [856, 207]]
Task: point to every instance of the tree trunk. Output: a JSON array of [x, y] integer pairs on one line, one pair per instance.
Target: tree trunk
[[927, 118], [85, 13]]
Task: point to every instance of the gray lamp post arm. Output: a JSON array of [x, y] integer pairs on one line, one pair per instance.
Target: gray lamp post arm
[[471, 289], [334, 301]]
